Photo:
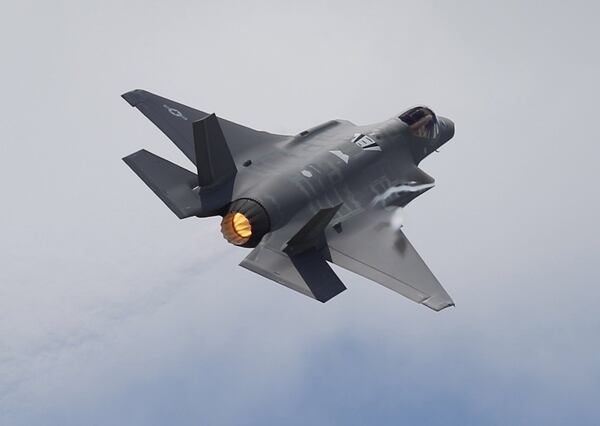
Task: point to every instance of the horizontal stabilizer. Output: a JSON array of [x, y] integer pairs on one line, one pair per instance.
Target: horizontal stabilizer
[[307, 273], [171, 183], [293, 257]]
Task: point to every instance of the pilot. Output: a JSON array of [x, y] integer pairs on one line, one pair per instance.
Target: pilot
[[421, 121]]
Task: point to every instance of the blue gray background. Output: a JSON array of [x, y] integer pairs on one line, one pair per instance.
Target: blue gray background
[[114, 312]]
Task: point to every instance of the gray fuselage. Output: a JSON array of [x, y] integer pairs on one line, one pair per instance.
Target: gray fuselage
[[337, 163]]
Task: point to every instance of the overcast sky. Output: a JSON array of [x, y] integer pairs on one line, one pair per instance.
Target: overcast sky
[[112, 311]]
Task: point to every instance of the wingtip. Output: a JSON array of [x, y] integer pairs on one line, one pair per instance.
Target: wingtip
[[134, 97], [438, 303]]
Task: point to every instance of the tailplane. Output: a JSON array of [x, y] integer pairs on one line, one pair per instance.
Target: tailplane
[[174, 185], [185, 193]]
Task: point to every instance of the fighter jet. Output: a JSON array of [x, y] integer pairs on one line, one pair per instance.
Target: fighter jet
[[332, 193]]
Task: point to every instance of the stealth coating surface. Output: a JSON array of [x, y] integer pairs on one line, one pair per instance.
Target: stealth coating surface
[[213, 158], [175, 120], [324, 193], [369, 247], [171, 183]]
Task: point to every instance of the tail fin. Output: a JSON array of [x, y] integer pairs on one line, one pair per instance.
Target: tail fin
[[181, 190], [302, 263], [307, 272], [213, 158], [171, 183]]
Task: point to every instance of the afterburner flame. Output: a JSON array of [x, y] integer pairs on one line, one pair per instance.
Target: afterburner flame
[[241, 225], [236, 228]]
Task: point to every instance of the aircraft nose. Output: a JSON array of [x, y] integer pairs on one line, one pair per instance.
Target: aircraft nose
[[446, 129]]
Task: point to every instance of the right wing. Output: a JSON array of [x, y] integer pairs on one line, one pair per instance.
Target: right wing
[[296, 257], [175, 120], [368, 246]]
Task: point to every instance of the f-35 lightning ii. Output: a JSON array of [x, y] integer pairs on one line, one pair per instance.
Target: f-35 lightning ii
[[332, 193]]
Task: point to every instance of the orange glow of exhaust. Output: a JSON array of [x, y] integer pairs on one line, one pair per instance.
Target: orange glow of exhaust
[[236, 228], [241, 225]]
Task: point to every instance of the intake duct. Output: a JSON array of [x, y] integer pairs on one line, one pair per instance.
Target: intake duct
[[245, 223]]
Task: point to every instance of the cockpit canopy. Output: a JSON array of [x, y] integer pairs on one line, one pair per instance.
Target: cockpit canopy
[[422, 122]]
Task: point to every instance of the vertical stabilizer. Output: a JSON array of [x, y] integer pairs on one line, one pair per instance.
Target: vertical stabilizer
[[213, 158]]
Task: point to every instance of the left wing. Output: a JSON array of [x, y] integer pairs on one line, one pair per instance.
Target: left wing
[[368, 246], [175, 120]]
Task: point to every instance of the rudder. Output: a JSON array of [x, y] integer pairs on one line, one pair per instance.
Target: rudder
[[213, 157]]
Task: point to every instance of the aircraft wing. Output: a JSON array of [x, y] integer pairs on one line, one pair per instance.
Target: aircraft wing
[[368, 246], [175, 120]]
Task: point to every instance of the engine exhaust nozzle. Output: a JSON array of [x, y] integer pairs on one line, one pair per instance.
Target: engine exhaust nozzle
[[245, 223]]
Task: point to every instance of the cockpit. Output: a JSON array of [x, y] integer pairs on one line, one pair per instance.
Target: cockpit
[[422, 122]]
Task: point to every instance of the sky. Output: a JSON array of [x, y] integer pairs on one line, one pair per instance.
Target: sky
[[114, 312]]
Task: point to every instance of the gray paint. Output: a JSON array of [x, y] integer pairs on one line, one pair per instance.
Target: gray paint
[[114, 312], [353, 172]]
